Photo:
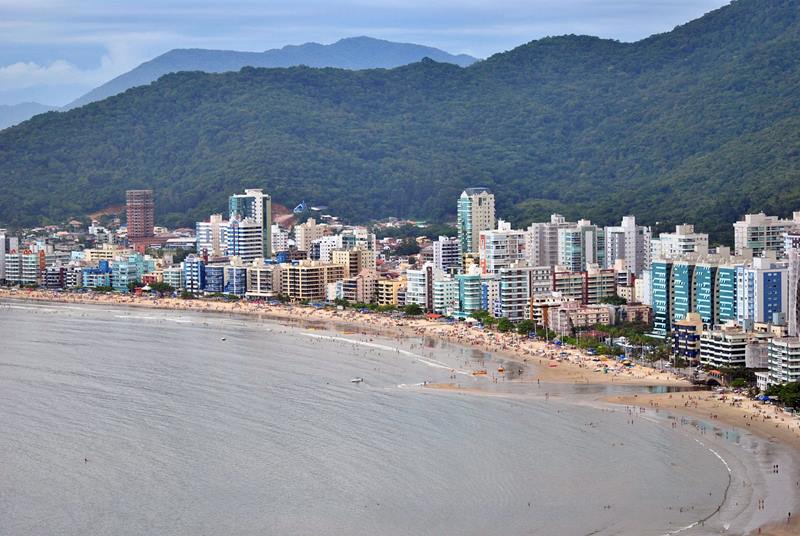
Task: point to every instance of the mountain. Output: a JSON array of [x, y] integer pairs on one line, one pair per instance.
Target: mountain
[[698, 124], [350, 53], [11, 114]]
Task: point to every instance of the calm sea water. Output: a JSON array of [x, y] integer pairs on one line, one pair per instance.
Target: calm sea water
[[124, 421]]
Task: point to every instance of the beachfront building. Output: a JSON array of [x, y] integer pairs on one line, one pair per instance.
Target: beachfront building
[[784, 360], [706, 284], [682, 242], [253, 205], [518, 284], [308, 280], [235, 277], [24, 267], [581, 246], [475, 214], [215, 279], [263, 279], [245, 239], [419, 286], [588, 287], [445, 295], [130, 269], [446, 254], [760, 233], [630, 242], [99, 276], [568, 317], [725, 346], [173, 276], [686, 337], [469, 292], [387, 291], [212, 236], [194, 274], [500, 248], [762, 289]]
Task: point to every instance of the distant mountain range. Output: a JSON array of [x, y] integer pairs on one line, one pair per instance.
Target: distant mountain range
[[699, 124], [11, 114], [349, 53]]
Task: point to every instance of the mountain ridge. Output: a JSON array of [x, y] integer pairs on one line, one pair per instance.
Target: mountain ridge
[[359, 52], [698, 128]]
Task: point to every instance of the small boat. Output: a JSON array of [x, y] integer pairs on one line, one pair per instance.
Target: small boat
[[224, 339], [357, 380], [500, 369], [479, 373]]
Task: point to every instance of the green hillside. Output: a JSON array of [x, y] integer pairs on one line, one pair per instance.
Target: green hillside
[[699, 124]]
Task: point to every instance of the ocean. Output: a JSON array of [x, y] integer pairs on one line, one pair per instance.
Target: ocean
[[132, 421]]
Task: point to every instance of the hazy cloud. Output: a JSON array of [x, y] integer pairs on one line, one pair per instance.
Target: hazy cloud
[[59, 43]]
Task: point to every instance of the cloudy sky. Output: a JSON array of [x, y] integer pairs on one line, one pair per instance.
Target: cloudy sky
[[53, 51]]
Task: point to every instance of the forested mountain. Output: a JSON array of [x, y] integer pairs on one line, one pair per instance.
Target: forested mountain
[[699, 124], [349, 53]]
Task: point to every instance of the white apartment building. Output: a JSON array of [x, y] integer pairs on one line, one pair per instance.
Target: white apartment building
[[420, 286], [323, 247], [500, 248], [630, 242], [784, 360], [541, 246], [683, 241], [761, 233], [446, 253], [445, 295], [793, 307], [212, 236], [280, 239]]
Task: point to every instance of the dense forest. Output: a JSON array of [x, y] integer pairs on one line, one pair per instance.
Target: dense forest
[[699, 125]]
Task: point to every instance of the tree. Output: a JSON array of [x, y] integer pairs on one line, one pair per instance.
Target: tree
[[413, 309], [526, 326], [504, 325], [160, 286], [186, 295], [133, 285], [614, 300]]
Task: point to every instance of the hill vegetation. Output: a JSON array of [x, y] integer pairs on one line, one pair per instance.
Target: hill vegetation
[[699, 124]]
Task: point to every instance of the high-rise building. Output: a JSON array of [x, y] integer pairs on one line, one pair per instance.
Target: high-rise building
[[446, 253], [194, 274], [305, 233], [630, 242], [475, 214], [792, 248], [212, 236], [280, 239], [760, 233], [581, 246], [141, 214], [254, 204], [762, 289], [519, 283], [784, 360], [500, 247], [308, 280], [542, 241], [245, 239], [683, 241]]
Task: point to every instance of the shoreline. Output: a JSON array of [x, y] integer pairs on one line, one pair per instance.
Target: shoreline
[[554, 364]]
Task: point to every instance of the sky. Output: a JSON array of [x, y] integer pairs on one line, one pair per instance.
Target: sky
[[53, 51]]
